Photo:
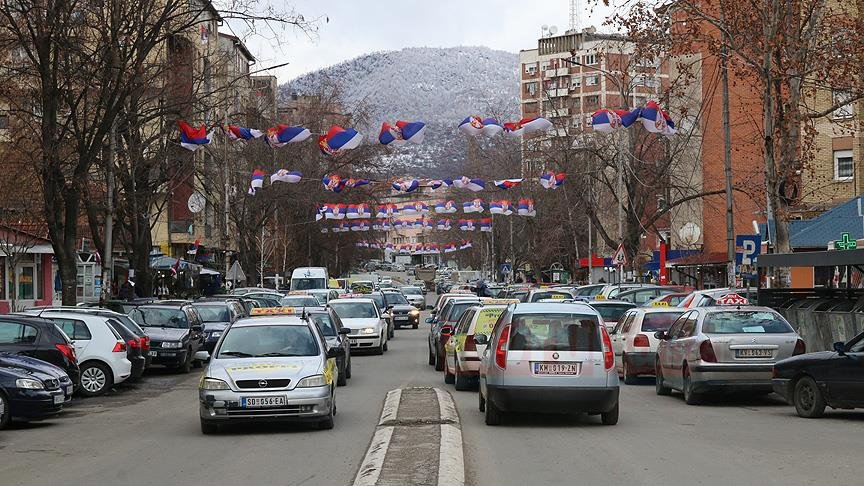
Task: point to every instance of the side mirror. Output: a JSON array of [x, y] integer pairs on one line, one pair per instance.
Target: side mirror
[[197, 328], [481, 339], [840, 347], [429, 320], [661, 335], [344, 331], [334, 352]]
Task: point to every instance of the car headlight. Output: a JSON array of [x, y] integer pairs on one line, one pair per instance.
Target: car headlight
[[212, 384], [172, 344], [368, 330], [29, 384], [415, 313], [312, 381]]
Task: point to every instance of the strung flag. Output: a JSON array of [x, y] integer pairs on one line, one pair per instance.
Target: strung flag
[[364, 210], [406, 186], [605, 121], [192, 138], [448, 207], [551, 180], [526, 208], [242, 133], [421, 208], [449, 247], [527, 126], [333, 182], [475, 206], [257, 181], [443, 225], [282, 135], [470, 184], [436, 184], [486, 225], [351, 212], [408, 208], [356, 182], [491, 127], [466, 224], [402, 132], [465, 245], [501, 207], [283, 175], [195, 246], [508, 183], [339, 139], [655, 120], [335, 211], [472, 125]]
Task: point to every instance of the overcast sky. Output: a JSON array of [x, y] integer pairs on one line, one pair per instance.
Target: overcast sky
[[359, 27]]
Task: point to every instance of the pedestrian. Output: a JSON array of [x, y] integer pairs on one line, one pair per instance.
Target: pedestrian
[[126, 292]]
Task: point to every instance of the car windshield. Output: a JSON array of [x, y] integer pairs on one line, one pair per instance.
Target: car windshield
[[858, 347], [129, 323], [612, 312], [396, 299], [555, 332], [379, 300], [589, 291], [299, 301], [262, 341], [325, 323], [308, 283], [412, 291], [354, 310], [159, 317], [550, 295], [214, 313], [459, 308], [659, 321], [321, 297], [745, 322]]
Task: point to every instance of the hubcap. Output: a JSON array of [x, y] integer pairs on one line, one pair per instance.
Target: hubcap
[[806, 398], [2, 408], [93, 379]]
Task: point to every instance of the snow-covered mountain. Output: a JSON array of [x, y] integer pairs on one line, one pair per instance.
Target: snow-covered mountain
[[439, 86]]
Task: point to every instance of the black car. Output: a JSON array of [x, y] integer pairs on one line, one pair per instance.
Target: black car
[[121, 306], [216, 316], [813, 381], [337, 337], [442, 327], [41, 339], [28, 363], [247, 304], [176, 333], [402, 313], [26, 393]]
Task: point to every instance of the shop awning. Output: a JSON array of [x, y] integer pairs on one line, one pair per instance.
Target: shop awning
[[596, 262], [832, 258], [653, 265], [700, 258], [163, 262]]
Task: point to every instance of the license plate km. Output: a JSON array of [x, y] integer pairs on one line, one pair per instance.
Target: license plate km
[[556, 368]]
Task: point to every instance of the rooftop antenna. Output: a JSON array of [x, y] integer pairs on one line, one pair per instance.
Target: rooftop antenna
[[574, 14]]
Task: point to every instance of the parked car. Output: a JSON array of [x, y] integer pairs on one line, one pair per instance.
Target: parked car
[[121, 306], [247, 304], [368, 327], [33, 364], [402, 313], [814, 381], [414, 295], [633, 339], [708, 298], [611, 291], [336, 336], [41, 339], [730, 348], [176, 333], [215, 318], [547, 293], [667, 300], [549, 358], [642, 295], [101, 350], [611, 311], [469, 339], [27, 393], [442, 326]]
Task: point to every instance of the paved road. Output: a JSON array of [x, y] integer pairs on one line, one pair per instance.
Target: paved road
[[148, 434]]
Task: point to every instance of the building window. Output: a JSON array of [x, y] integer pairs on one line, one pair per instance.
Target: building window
[[27, 288], [577, 81], [530, 68], [844, 166], [591, 80], [843, 99], [592, 102], [531, 88], [589, 59], [544, 65], [4, 122]]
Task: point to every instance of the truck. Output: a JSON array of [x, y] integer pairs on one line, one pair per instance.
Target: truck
[[308, 278]]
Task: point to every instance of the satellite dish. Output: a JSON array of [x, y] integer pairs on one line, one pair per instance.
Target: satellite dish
[[196, 202], [690, 233], [544, 27], [553, 30]]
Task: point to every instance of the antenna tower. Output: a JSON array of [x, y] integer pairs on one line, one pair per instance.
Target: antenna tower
[[574, 14]]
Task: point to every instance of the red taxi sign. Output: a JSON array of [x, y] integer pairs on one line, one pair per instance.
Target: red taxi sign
[[353, 296], [298, 292], [731, 299], [273, 311]]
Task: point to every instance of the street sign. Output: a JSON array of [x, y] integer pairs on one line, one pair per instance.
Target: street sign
[[619, 259], [748, 248], [845, 243], [506, 268]]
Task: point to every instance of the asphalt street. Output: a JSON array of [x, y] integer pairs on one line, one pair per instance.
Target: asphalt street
[[148, 433]]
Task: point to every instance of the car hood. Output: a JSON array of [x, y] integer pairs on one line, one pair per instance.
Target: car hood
[[30, 364], [356, 324], [165, 333], [21, 372], [804, 359], [295, 369], [215, 326], [403, 308]]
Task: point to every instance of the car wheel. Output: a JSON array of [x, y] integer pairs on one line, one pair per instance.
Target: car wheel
[[208, 427], [659, 386], [610, 417], [493, 416], [5, 411], [449, 378], [348, 370], [439, 361], [186, 367], [690, 397], [629, 379], [342, 379], [431, 357], [385, 346], [808, 399], [197, 363], [481, 402], [414, 326], [462, 382], [96, 378], [327, 423]]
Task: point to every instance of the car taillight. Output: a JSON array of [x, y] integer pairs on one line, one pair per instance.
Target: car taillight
[[446, 330], [145, 343], [608, 354], [800, 348], [119, 347], [67, 351], [501, 348], [470, 345], [134, 343], [706, 351], [641, 341]]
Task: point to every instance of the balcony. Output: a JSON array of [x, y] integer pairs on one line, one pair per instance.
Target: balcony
[[558, 113], [549, 73], [562, 71]]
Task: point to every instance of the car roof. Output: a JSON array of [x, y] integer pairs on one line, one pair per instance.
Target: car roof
[[278, 320], [539, 308], [659, 309], [727, 308], [162, 306], [609, 301], [357, 299]]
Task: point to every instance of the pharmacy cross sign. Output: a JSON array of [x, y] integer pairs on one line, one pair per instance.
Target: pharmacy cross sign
[[845, 243]]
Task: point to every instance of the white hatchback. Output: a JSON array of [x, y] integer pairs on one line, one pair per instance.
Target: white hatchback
[[100, 350], [634, 342]]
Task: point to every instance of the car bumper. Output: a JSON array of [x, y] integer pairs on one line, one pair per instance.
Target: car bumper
[[360, 342], [36, 404], [167, 357], [641, 363], [410, 321], [781, 387], [469, 363], [301, 404], [732, 377], [544, 399], [139, 363]]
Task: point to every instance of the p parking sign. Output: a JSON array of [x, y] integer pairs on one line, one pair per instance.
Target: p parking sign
[[747, 249]]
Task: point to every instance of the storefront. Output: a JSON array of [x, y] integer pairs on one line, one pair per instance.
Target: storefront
[[26, 272]]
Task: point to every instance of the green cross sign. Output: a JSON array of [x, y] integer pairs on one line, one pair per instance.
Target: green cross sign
[[845, 243]]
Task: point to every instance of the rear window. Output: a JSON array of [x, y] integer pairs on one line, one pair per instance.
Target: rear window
[[550, 295], [458, 309], [354, 310], [659, 321], [743, 322], [612, 312], [555, 332]]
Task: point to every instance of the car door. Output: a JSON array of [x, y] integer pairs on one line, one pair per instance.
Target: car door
[[846, 382], [196, 339], [618, 334], [683, 346], [667, 355], [77, 331], [19, 338]]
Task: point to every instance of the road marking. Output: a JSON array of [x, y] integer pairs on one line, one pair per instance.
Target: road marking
[[446, 407], [391, 406], [451, 465], [370, 469]]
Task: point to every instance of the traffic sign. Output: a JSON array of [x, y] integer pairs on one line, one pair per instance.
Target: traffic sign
[[619, 259], [748, 248], [506, 268]]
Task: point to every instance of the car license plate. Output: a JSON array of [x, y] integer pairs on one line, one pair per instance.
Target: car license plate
[[154, 353], [59, 399], [541, 368], [752, 353], [401, 318], [258, 402]]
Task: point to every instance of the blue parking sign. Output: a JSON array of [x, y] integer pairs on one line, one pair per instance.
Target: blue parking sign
[[747, 249]]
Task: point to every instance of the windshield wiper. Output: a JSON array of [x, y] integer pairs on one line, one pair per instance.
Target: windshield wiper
[[270, 355], [239, 354]]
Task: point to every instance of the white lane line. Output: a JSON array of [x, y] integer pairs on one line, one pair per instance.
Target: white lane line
[[451, 465], [370, 469], [446, 406], [391, 406]]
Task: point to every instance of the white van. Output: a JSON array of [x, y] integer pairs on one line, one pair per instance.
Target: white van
[[308, 278]]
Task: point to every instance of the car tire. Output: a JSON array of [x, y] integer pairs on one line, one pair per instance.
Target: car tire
[[449, 378], [415, 326], [808, 399], [96, 379], [659, 386], [462, 382], [431, 357], [208, 427], [341, 379], [610, 417], [481, 402], [197, 363], [493, 416], [5, 411], [690, 397], [439, 361], [385, 346], [327, 423], [629, 379], [348, 369], [186, 367]]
